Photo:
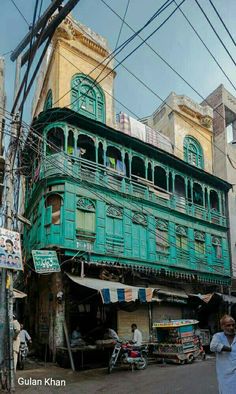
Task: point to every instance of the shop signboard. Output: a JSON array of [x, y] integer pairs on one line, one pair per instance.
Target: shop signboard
[[10, 250], [45, 261]]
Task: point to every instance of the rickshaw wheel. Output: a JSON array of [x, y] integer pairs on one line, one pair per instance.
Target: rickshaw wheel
[[190, 359]]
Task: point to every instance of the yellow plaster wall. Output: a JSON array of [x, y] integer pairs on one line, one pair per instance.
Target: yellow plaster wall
[[73, 55], [186, 127]]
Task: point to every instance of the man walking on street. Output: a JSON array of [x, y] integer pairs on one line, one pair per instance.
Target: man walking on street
[[224, 345], [137, 335]]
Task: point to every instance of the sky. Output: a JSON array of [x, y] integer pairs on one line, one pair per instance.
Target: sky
[[175, 41]]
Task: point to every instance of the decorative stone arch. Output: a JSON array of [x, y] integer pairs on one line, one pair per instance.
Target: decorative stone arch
[[114, 211], [139, 218], [193, 152], [162, 224], [86, 204], [199, 236], [182, 230], [48, 101], [87, 97]]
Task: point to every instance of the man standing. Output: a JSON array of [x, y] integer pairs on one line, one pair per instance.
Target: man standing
[[137, 335], [224, 345], [16, 340]]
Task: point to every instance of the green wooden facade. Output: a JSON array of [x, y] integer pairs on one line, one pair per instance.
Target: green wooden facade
[[95, 189]]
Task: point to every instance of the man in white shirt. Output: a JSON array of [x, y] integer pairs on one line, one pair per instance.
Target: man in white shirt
[[137, 335], [24, 335]]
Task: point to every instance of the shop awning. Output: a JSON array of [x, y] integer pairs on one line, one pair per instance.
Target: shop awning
[[18, 294], [171, 291], [115, 291]]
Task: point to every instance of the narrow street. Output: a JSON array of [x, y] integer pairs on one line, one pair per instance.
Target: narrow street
[[196, 378]]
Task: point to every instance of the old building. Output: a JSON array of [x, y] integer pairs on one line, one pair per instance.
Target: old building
[[224, 149], [114, 204]]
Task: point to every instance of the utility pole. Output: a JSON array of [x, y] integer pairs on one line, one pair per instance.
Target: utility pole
[[42, 30], [9, 198]]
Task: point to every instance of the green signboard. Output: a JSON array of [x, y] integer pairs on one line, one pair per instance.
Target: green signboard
[[45, 261]]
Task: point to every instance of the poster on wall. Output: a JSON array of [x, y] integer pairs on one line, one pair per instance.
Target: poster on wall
[[10, 250]]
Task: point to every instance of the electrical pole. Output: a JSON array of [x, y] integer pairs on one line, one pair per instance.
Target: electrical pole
[[41, 31], [9, 198]]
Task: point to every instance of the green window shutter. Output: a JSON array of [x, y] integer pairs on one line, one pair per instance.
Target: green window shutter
[[89, 221], [199, 247], [48, 215], [85, 220]]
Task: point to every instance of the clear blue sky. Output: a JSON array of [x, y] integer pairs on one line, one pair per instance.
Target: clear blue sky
[[175, 41]]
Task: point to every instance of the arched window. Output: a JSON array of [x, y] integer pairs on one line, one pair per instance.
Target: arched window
[[53, 204], [87, 98], [85, 217], [55, 140], [48, 101], [193, 153]]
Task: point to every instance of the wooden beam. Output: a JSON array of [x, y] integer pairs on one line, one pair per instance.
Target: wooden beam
[[39, 25]]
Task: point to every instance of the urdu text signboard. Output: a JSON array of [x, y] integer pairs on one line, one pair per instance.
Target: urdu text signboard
[[10, 250], [45, 261]]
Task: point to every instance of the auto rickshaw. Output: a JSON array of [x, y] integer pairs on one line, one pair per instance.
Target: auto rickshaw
[[177, 341]]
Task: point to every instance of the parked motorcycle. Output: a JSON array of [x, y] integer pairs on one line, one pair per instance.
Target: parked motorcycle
[[125, 354], [23, 351]]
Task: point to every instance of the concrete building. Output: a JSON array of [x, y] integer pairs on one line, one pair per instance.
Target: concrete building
[[223, 104]]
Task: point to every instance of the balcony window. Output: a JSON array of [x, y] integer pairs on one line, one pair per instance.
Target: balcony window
[[162, 237], [181, 238], [199, 242], [217, 248], [55, 140], [53, 205], [88, 98], [193, 153], [85, 217]]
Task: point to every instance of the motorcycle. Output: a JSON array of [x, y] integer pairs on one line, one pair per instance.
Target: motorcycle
[[23, 351], [126, 354]]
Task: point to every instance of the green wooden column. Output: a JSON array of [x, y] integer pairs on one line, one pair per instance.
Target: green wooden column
[[172, 240], [96, 149], [209, 253], [167, 179], [151, 238], [191, 248], [124, 177], [66, 133]]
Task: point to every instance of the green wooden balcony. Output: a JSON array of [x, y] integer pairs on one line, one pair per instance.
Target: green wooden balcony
[[84, 170]]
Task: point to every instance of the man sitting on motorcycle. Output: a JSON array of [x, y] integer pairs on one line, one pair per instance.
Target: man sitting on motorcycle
[[24, 337]]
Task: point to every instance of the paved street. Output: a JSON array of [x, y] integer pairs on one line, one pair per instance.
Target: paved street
[[196, 378]]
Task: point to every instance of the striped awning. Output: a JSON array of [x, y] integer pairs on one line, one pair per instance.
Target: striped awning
[[115, 291]]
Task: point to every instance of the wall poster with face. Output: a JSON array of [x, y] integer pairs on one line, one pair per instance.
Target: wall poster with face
[[10, 250]]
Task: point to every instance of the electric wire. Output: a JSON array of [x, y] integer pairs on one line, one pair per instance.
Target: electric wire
[[122, 24], [217, 35], [207, 48], [223, 23], [13, 2]]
